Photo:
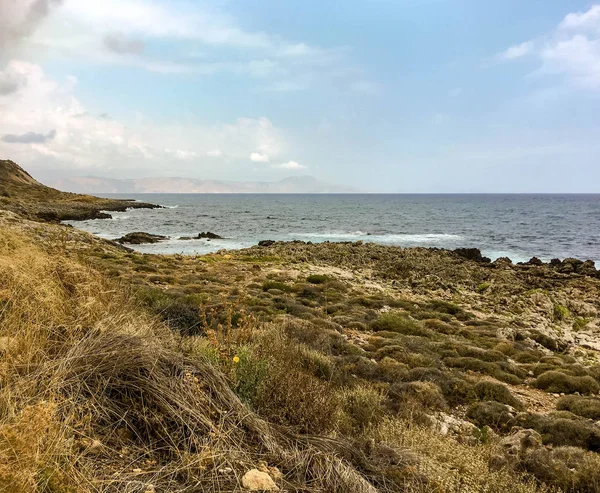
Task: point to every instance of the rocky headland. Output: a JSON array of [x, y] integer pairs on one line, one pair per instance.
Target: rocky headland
[[21, 193]]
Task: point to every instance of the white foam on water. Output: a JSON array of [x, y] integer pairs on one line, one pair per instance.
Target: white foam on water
[[384, 238]]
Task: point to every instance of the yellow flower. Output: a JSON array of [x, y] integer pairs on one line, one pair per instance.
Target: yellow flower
[[236, 359]]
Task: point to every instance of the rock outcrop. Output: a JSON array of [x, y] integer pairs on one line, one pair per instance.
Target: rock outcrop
[[139, 238]]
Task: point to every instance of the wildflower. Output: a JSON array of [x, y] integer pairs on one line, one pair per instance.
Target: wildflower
[[236, 359]]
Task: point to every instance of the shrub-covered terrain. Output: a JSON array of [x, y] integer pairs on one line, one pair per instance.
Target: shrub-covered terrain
[[347, 367]]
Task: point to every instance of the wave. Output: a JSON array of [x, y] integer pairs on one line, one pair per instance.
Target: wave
[[169, 206], [389, 237]]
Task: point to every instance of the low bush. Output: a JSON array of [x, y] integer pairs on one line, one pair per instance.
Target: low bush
[[449, 308], [558, 382], [587, 407], [488, 368], [271, 284], [493, 414], [568, 468], [561, 431], [394, 322], [416, 394], [317, 279], [491, 391], [361, 406], [560, 312]]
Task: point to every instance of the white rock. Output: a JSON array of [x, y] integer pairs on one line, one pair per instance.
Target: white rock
[[255, 480]]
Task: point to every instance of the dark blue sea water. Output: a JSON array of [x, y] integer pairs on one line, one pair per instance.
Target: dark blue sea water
[[516, 226]]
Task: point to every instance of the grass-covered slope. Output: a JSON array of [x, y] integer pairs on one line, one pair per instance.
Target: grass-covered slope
[[21, 193]]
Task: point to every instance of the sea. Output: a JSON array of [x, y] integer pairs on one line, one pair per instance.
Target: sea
[[514, 226]]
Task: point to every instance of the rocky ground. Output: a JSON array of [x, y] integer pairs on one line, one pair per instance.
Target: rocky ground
[[472, 350]]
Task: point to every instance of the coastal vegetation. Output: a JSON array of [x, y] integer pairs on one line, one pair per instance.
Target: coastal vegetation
[[333, 367]]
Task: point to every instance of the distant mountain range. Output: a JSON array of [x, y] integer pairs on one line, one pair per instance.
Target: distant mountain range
[[94, 185]]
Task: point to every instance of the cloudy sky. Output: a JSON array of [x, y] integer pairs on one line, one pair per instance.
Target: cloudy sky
[[382, 95]]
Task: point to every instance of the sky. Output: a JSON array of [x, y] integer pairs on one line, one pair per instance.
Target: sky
[[411, 96]]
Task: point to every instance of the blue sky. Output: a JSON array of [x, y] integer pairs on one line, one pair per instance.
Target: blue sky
[[381, 95]]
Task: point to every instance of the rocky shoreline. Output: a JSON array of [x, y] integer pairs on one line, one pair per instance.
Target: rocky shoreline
[[22, 194]]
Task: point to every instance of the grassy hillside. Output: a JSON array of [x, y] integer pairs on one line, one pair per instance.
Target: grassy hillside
[[21, 193], [347, 367]]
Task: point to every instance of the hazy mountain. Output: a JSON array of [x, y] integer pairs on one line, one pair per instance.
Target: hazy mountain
[[93, 184]]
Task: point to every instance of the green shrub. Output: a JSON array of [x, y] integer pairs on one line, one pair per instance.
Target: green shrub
[[394, 322], [587, 407], [362, 407], [249, 373], [493, 414], [457, 390], [562, 432], [568, 468], [317, 279], [491, 391], [485, 367], [416, 394], [449, 308], [270, 284], [579, 323], [483, 287], [181, 313], [560, 312], [558, 382]]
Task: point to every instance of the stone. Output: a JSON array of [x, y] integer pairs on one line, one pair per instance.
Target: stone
[[209, 236], [521, 442], [535, 261], [472, 254], [266, 243], [446, 424], [588, 268], [255, 480], [139, 238]]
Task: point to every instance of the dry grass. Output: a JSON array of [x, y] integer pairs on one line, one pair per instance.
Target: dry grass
[[96, 396], [451, 466]]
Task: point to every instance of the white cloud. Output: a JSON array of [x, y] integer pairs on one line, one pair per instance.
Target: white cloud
[[517, 51], [291, 165], [582, 20], [257, 157], [572, 50], [80, 139], [577, 57], [86, 30]]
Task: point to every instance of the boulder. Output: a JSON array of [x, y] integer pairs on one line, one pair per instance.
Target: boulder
[[472, 254], [255, 480], [520, 443], [588, 268], [266, 243], [516, 448], [209, 236], [570, 265], [535, 261], [139, 238]]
